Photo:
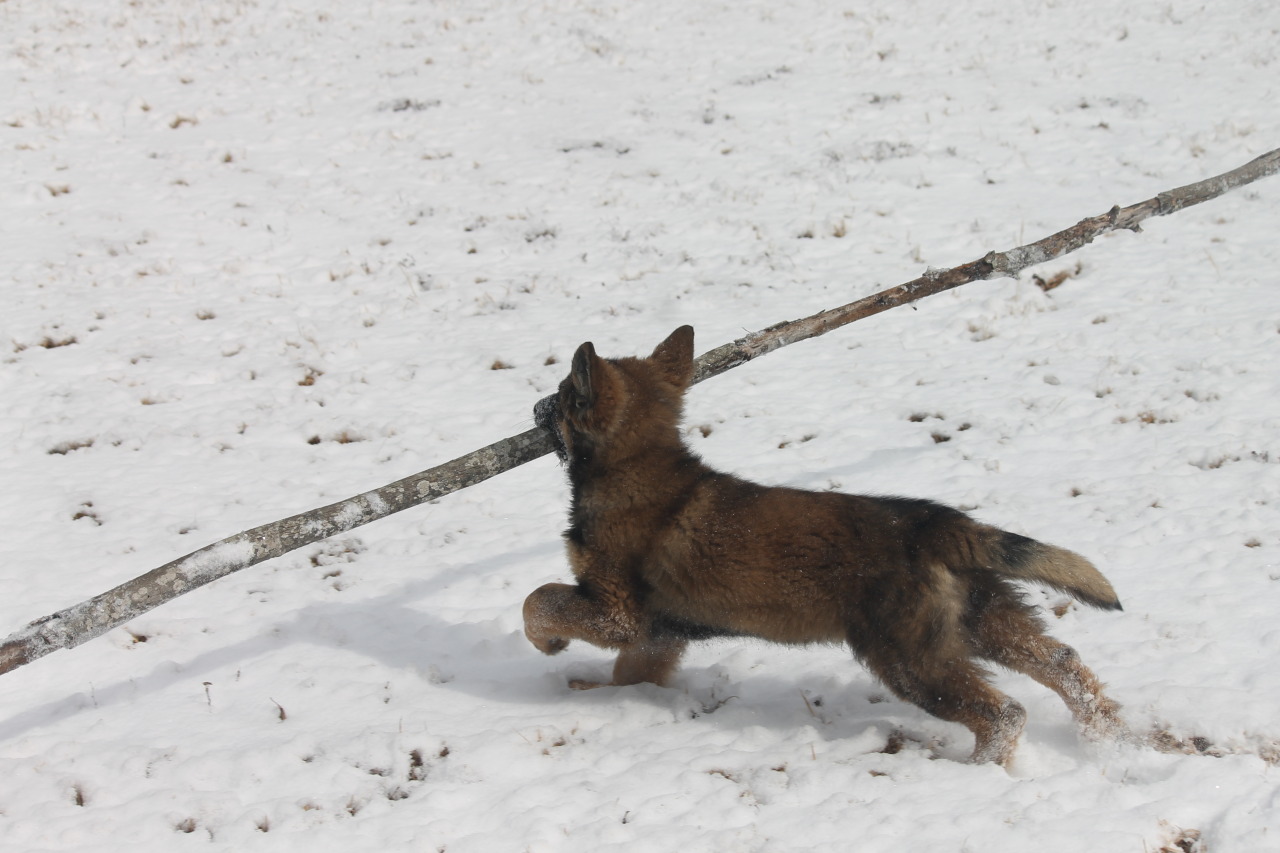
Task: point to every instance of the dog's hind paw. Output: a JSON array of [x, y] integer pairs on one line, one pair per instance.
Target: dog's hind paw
[[1102, 723]]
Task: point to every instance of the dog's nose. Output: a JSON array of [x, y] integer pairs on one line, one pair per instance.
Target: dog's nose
[[544, 412]]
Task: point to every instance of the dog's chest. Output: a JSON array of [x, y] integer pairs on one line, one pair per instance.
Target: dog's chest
[[618, 531]]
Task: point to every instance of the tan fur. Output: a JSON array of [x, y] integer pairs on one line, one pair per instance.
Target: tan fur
[[1067, 571], [666, 550]]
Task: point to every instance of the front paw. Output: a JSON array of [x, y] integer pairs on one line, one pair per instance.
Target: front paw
[[544, 617], [547, 645]]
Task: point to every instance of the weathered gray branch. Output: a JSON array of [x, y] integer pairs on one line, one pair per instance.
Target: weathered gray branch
[[75, 625], [993, 265], [88, 619]]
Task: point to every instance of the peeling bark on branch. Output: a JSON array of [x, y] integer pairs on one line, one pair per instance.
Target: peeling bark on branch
[[75, 625]]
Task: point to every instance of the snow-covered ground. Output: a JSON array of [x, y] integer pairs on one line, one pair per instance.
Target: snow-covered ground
[[259, 256]]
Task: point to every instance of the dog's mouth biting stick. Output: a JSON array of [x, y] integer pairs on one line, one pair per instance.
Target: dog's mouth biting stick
[[546, 414]]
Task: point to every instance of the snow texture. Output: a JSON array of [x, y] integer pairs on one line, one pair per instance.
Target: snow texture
[[263, 256]]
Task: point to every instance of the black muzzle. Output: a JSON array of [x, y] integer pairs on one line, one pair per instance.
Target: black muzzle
[[546, 414]]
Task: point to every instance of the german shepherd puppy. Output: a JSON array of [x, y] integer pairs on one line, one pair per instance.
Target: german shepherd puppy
[[665, 550]]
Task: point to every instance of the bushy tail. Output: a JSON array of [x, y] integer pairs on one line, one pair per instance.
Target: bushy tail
[[1026, 559]]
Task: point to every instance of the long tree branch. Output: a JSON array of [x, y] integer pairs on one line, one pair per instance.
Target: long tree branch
[[82, 622], [993, 265]]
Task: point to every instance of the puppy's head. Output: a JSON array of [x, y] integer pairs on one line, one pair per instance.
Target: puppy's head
[[605, 402]]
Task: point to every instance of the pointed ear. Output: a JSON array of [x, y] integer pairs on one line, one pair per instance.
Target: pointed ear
[[584, 368], [675, 356]]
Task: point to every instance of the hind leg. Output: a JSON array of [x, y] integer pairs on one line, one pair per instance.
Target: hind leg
[[957, 690], [1013, 637]]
